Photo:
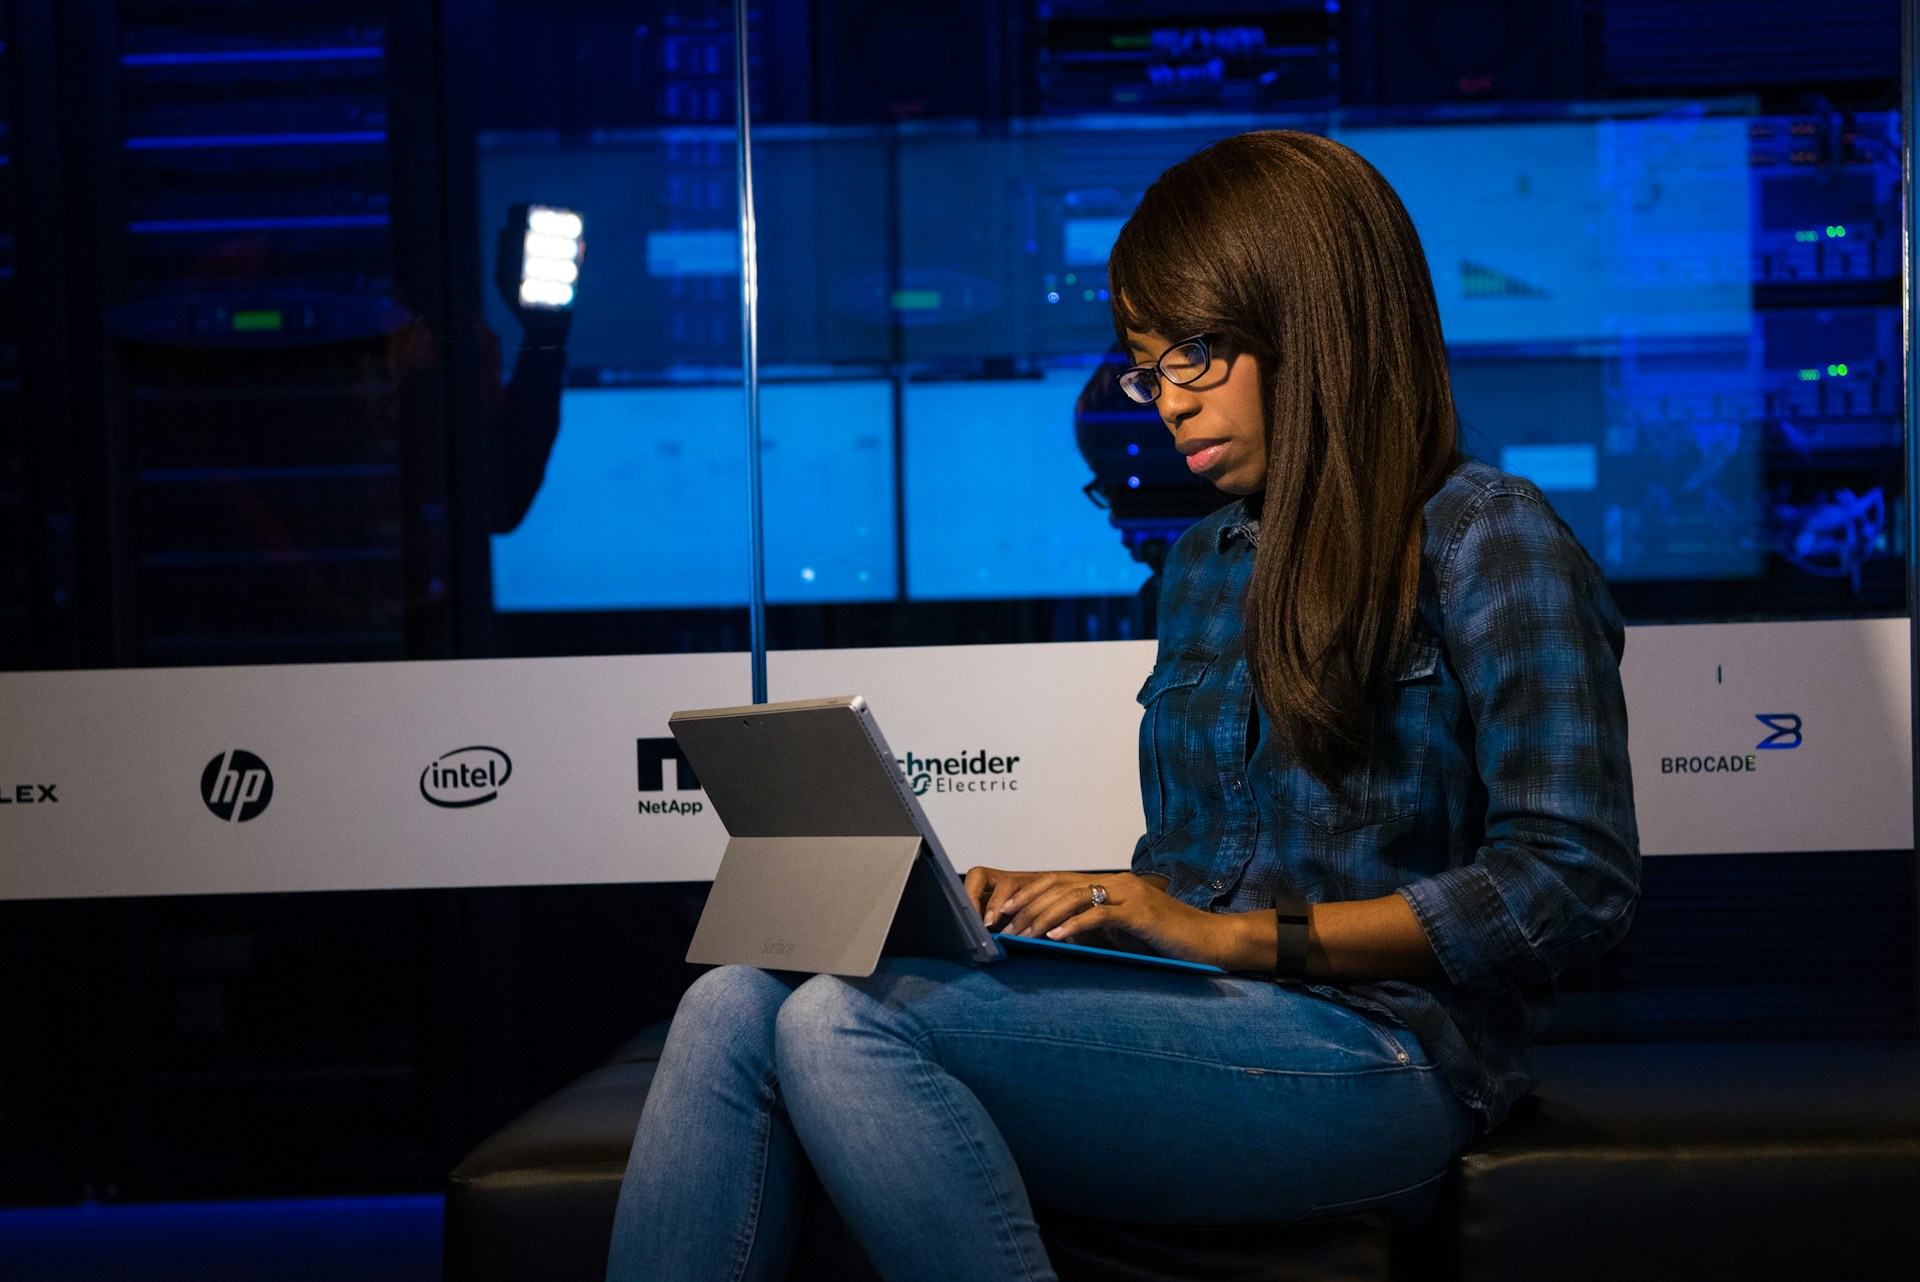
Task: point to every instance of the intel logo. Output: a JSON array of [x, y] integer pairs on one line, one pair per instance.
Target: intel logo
[[466, 777]]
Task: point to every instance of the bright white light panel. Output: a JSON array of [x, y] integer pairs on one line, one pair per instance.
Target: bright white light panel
[[550, 257]]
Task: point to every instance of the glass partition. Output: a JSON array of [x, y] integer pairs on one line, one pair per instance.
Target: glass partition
[[1668, 279], [277, 401], [271, 393]]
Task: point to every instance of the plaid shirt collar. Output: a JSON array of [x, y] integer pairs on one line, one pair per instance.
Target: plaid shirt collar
[[1245, 522]]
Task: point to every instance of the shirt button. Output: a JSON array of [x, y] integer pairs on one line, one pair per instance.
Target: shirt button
[[1236, 785], [1217, 884]]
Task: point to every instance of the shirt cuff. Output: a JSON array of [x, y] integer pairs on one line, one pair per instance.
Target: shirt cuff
[[1479, 943]]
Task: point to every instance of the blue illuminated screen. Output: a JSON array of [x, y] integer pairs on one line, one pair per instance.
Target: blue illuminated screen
[[1617, 296]]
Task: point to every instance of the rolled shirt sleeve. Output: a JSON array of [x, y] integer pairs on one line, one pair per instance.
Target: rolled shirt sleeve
[[1531, 631]]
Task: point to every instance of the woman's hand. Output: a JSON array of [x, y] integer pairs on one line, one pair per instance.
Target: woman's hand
[[1359, 939], [1059, 905]]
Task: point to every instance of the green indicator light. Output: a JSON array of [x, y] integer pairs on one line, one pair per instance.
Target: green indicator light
[[1087, 294], [1133, 42], [1804, 236], [1809, 375], [1841, 370], [1072, 279], [916, 300], [1836, 230], [259, 322]]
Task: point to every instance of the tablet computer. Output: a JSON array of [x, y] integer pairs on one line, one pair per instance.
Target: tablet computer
[[830, 860], [829, 857]]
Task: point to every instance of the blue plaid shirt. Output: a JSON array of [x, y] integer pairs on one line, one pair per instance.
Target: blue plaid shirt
[[1497, 798]]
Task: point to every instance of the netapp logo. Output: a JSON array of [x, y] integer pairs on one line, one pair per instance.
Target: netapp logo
[[1785, 727], [968, 772], [653, 755], [29, 794], [466, 777], [236, 786]]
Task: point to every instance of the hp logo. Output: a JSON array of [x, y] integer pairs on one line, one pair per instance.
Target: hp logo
[[236, 786]]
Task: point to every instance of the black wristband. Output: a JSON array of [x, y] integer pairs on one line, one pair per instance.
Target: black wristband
[[1290, 948]]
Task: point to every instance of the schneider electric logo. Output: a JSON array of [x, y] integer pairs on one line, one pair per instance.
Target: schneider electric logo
[[1786, 734], [653, 756], [236, 786], [465, 777], [971, 771]]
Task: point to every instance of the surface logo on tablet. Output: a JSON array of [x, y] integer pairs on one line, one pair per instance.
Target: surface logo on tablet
[[465, 777], [970, 771], [236, 786], [653, 756]]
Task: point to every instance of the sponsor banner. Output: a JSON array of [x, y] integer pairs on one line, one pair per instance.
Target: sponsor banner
[[1771, 736], [1745, 737], [351, 776], [1023, 756]]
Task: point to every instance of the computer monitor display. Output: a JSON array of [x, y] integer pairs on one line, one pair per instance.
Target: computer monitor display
[[994, 506], [645, 501]]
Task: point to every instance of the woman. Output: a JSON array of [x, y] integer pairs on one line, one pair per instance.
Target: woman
[[1387, 686]]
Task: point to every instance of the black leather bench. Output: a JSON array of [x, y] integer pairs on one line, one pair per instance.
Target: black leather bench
[[1644, 1162]]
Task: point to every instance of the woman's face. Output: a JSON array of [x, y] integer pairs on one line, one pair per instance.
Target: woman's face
[[1218, 421]]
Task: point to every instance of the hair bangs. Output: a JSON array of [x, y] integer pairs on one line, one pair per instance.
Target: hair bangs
[[1158, 273]]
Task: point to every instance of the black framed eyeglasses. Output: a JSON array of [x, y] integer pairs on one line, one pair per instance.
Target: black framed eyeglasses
[[1180, 364]]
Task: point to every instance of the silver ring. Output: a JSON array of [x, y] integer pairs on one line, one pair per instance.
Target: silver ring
[[1099, 894]]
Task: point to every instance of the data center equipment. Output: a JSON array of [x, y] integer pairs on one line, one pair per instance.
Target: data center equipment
[[21, 583]]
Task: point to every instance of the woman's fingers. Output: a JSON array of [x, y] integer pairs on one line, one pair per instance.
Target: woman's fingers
[[1059, 901], [1088, 921], [980, 883], [1003, 897], [1015, 908], [1018, 902]]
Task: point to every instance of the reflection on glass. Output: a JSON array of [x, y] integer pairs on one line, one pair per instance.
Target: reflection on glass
[[645, 500], [1679, 319], [1619, 298], [993, 499]]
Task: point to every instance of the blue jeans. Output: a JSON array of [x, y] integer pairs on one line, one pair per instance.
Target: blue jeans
[[933, 1099]]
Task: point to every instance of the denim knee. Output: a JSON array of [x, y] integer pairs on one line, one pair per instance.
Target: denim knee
[[813, 1027], [731, 1009]]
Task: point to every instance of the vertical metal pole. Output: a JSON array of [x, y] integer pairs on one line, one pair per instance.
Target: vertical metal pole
[[1910, 229], [750, 358]]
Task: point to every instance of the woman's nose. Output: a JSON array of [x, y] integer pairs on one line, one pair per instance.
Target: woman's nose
[[1176, 404]]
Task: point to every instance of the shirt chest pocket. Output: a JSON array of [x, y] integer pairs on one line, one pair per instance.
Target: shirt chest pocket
[[1387, 785], [1173, 747]]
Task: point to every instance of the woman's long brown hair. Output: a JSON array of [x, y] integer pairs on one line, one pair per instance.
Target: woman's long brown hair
[[1292, 248]]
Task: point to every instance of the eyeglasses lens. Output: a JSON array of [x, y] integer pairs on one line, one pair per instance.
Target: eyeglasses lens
[[1140, 385], [1179, 364], [1185, 363]]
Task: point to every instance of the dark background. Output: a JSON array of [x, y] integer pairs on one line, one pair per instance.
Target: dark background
[[361, 1042]]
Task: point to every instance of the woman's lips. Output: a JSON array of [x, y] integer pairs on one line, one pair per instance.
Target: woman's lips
[[1205, 457]]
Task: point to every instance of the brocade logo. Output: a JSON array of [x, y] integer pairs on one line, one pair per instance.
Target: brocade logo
[[1785, 727], [1786, 734]]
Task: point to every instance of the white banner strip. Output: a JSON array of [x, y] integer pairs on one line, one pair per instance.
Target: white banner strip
[[1746, 737], [1771, 736]]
